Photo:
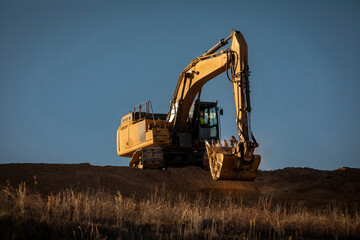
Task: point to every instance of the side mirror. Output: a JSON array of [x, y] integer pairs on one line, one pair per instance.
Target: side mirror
[[221, 111]]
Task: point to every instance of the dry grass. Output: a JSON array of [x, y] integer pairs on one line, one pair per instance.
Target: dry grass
[[98, 215]]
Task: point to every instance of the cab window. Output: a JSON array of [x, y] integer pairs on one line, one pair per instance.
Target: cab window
[[208, 117]]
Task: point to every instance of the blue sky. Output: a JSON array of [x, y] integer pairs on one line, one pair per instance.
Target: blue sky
[[69, 70]]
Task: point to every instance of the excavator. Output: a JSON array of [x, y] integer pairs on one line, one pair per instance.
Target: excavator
[[189, 134]]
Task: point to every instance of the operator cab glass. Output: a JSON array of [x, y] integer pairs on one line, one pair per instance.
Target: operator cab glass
[[203, 121], [208, 124]]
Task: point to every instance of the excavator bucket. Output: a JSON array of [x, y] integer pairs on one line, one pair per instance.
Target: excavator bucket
[[226, 165]]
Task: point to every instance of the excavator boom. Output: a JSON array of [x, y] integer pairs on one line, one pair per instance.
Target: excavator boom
[[226, 162]]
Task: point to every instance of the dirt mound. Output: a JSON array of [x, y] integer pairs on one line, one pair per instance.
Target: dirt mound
[[290, 184], [312, 185]]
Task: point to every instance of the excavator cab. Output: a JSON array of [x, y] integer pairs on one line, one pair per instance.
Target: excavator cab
[[203, 121]]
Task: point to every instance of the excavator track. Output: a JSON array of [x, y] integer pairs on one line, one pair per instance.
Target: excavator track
[[148, 158]]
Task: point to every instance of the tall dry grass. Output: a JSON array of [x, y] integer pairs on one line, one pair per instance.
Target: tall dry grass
[[98, 215]]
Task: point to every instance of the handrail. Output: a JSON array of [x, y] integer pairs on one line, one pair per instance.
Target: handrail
[[147, 108]]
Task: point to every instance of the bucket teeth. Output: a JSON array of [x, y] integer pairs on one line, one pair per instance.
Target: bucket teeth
[[226, 165]]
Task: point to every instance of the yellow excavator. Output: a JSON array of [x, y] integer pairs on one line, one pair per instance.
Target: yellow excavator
[[189, 134]]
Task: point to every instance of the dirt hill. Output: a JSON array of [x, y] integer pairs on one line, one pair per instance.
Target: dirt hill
[[290, 184]]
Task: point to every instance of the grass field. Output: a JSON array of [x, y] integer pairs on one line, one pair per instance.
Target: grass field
[[98, 215]]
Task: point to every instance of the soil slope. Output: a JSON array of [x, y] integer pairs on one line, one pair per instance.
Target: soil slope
[[312, 186]]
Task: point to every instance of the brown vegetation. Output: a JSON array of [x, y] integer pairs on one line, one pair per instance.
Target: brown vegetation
[[80, 201], [100, 215]]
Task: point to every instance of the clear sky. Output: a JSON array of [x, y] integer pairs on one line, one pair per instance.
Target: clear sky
[[69, 70]]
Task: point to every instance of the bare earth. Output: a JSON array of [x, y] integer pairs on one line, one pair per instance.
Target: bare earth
[[314, 187]]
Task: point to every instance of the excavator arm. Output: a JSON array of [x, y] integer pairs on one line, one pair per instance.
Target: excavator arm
[[237, 161]]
